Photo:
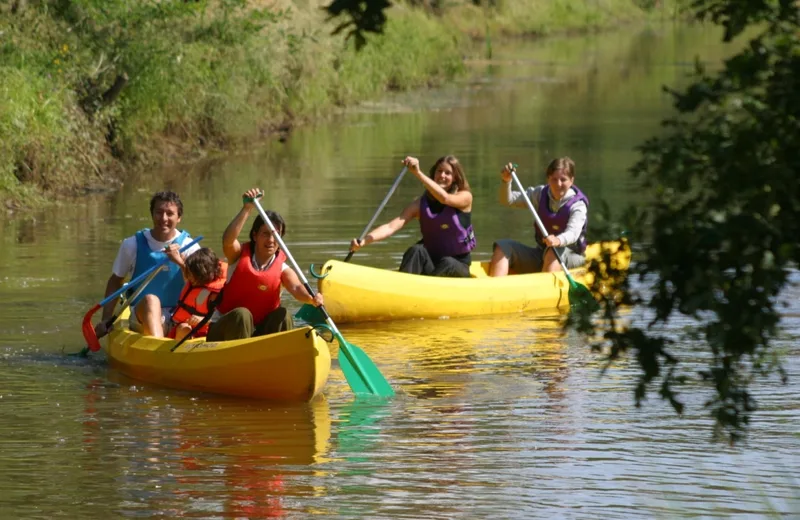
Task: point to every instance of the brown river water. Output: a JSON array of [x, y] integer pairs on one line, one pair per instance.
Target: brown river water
[[497, 417]]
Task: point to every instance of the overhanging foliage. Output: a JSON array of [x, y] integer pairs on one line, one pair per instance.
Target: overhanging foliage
[[722, 228]]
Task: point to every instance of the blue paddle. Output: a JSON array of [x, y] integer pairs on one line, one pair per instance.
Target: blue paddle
[[88, 329]]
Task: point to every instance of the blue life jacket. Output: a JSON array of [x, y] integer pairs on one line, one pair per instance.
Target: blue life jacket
[[168, 283]]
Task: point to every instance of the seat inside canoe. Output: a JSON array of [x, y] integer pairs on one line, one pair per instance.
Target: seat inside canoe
[[479, 270]]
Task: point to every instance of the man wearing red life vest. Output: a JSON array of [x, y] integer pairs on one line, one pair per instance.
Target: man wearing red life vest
[[251, 298]]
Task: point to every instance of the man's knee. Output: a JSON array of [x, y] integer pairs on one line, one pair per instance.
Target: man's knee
[[150, 302]]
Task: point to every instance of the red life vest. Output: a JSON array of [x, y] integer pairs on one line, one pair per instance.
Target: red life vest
[[188, 305], [257, 291]]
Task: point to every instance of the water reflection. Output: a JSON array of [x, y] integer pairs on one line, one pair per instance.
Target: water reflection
[[359, 428], [180, 455]]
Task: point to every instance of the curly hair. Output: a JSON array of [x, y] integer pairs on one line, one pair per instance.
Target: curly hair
[[204, 266]]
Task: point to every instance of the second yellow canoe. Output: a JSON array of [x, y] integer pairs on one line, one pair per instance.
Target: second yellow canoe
[[355, 293]]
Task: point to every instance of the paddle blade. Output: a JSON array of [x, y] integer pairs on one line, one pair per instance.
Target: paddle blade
[[581, 296], [310, 314], [84, 352], [361, 373], [88, 330]]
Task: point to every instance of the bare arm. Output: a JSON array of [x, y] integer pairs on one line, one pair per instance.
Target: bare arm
[[292, 283], [390, 228], [231, 246], [461, 200], [173, 252], [114, 284]]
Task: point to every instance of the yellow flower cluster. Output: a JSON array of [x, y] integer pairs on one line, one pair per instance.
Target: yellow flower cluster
[[62, 51]]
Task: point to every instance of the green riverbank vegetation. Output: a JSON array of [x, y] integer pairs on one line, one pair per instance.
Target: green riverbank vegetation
[[719, 242], [91, 89]]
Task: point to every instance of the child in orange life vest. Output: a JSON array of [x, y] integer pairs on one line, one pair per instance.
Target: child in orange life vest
[[205, 276]]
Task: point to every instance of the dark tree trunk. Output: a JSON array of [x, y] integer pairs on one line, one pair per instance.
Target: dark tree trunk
[[110, 95]]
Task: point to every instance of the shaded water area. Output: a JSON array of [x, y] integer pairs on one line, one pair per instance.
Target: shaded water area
[[496, 417]]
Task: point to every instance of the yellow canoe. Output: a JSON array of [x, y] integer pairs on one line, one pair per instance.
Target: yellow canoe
[[355, 293], [289, 366]]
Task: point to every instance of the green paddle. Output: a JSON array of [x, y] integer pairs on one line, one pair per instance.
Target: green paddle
[[361, 373], [579, 294], [311, 314]]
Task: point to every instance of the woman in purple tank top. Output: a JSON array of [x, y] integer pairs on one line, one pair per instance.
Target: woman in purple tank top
[[445, 218], [563, 209]]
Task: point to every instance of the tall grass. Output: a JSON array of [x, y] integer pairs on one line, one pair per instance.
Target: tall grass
[[213, 74], [44, 140], [542, 18]]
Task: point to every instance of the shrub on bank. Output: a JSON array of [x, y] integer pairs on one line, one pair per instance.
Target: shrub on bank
[[94, 86]]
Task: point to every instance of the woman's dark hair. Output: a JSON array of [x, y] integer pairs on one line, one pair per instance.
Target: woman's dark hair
[[166, 196], [275, 218], [204, 266]]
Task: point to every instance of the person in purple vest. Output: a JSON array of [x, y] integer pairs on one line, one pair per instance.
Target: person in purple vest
[[445, 219], [563, 209]]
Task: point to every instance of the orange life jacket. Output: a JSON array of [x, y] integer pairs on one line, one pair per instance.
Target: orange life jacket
[[189, 306], [257, 291]]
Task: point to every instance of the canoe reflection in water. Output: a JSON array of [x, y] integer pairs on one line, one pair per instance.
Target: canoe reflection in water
[[456, 364], [181, 454], [443, 355]]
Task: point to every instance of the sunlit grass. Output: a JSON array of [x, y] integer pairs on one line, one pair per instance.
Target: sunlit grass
[[198, 80], [526, 18]]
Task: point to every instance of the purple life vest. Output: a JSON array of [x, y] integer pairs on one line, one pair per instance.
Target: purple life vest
[[442, 234], [556, 223]]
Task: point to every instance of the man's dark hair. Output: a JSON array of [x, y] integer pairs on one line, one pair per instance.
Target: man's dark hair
[[166, 196]]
